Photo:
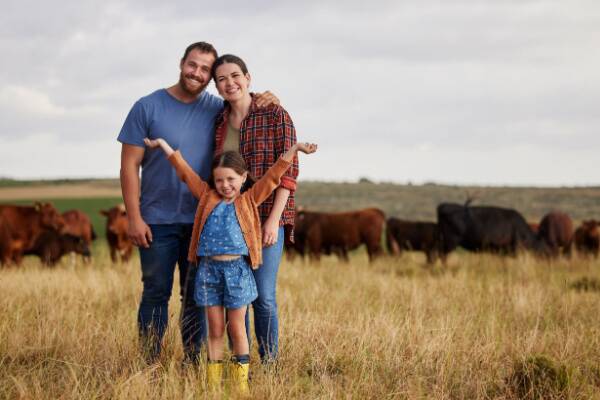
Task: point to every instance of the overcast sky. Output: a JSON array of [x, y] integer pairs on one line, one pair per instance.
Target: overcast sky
[[472, 91]]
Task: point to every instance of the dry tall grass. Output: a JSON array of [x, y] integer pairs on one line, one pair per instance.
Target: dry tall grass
[[394, 329]]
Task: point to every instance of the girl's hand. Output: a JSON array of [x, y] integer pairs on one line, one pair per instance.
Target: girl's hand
[[270, 231], [152, 143], [306, 147], [160, 142]]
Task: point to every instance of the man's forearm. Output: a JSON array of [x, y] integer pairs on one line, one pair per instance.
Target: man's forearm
[[130, 187]]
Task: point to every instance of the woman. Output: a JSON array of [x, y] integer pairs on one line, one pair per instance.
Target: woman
[[261, 135]]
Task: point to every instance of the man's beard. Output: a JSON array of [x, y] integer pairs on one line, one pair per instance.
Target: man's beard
[[192, 91]]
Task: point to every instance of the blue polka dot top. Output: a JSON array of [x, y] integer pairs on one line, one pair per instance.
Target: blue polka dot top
[[221, 233]]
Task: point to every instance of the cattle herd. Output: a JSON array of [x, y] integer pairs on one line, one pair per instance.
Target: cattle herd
[[42, 231], [474, 228]]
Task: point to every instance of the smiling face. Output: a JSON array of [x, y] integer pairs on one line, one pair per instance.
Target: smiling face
[[195, 71], [231, 82], [228, 182]]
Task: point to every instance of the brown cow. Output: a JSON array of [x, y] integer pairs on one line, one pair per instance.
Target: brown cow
[[413, 235], [117, 226], [556, 230], [587, 238], [21, 227], [77, 223], [339, 233], [50, 246], [535, 227]]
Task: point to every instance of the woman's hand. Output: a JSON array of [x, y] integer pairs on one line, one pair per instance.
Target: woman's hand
[[270, 231]]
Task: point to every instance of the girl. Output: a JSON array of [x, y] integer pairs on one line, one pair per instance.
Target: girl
[[226, 230], [260, 135]]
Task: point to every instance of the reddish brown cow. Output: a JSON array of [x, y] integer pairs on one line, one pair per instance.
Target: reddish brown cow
[[21, 227], [535, 227], [339, 233], [117, 226], [587, 238], [50, 246], [78, 224], [556, 230], [413, 235]]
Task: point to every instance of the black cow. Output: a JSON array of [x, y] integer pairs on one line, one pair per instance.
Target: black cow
[[494, 229], [412, 235]]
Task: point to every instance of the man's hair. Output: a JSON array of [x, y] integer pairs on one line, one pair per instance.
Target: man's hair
[[228, 59], [202, 47]]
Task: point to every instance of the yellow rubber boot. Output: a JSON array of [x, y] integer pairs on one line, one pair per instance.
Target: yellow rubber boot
[[214, 374], [239, 377]]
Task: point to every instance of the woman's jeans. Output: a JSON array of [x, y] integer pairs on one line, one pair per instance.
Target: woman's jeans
[[170, 245], [266, 323]]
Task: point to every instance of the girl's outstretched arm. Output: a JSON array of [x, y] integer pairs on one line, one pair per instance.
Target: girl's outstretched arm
[[196, 185], [303, 147], [160, 142], [270, 180]]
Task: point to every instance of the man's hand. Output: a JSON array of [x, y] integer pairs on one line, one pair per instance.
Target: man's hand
[[266, 99], [139, 233], [270, 231]]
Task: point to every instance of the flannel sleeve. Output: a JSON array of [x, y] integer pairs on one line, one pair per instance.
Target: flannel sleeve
[[285, 138]]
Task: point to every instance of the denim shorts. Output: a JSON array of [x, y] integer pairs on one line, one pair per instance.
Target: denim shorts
[[224, 283]]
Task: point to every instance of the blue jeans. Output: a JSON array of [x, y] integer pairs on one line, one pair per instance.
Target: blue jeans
[[170, 244], [266, 322]]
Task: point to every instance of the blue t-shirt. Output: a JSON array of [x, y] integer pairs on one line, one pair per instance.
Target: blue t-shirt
[[188, 127], [222, 233]]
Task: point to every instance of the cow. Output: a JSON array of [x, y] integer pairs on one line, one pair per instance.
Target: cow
[[21, 227], [50, 246], [587, 238], [493, 229], [413, 235], [77, 223], [117, 226], [556, 230], [338, 233], [535, 226]]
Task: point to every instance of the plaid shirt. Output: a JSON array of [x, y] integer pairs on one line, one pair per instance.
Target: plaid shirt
[[265, 134]]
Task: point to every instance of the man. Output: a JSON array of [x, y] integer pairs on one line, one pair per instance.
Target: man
[[161, 212]]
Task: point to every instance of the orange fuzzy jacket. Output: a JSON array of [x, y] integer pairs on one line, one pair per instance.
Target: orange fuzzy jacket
[[246, 205]]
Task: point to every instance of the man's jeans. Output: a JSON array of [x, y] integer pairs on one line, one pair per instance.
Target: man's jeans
[[170, 245], [266, 323]]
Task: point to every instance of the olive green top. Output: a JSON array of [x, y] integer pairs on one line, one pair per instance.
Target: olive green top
[[232, 139]]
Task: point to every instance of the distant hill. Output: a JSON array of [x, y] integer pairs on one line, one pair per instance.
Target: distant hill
[[404, 201]]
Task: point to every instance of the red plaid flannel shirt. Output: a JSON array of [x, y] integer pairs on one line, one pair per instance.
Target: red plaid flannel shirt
[[265, 134]]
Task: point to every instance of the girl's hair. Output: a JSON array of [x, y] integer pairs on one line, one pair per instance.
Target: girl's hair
[[233, 160], [228, 59]]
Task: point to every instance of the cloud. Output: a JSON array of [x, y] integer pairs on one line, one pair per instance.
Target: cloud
[[437, 79]]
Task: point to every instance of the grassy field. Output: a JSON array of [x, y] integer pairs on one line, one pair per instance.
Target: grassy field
[[483, 328]]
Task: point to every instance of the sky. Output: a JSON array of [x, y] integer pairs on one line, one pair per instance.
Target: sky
[[502, 92]]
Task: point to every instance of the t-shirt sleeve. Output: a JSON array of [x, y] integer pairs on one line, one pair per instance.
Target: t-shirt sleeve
[[135, 127]]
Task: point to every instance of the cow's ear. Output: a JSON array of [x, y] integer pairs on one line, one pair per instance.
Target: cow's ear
[[37, 205], [104, 212]]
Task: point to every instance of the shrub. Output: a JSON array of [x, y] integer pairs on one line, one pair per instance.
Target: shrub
[[538, 377]]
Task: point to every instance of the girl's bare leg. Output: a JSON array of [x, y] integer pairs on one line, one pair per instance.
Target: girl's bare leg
[[216, 331], [237, 330]]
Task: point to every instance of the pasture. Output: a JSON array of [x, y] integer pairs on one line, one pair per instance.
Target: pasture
[[485, 327]]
